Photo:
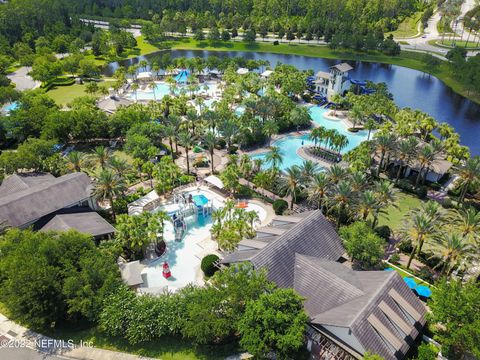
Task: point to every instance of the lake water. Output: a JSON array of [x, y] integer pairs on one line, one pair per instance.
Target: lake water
[[409, 87]]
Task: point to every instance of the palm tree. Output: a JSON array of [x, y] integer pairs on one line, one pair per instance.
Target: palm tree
[[291, 183], [404, 151], [341, 198], [187, 140], [370, 125], [467, 222], [101, 154], [337, 173], [274, 157], [425, 158], [170, 131], [359, 181], [75, 161], [269, 129], [252, 217], [420, 225], [107, 186], [210, 141], [454, 249], [386, 194], [367, 204], [356, 114], [120, 166], [135, 88], [308, 169], [469, 174], [384, 143], [318, 189]]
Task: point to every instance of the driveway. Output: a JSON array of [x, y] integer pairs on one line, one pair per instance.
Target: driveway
[[22, 80], [25, 354]]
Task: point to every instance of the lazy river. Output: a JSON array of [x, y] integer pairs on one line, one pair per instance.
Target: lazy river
[[409, 87]]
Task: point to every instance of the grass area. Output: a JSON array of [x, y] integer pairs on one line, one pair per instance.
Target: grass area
[[63, 95], [166, 348], [447, 43], [408, 27], [443, 26], [393, 216], [405, 274]]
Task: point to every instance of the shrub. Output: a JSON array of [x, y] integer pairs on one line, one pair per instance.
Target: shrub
[[384, 232], [186, 179], [427, 352], [395, 258], [405, 247], [404, 184], [422, 192], [208, 266], [279, 206], [221, 143], [233, 149]]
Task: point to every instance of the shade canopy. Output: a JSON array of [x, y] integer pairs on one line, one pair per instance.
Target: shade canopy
[[423, 291], [410, 282], [215, 181]]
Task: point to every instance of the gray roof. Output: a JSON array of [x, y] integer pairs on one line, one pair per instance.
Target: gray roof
[[26, 203], [343, 67], [372, 304], [313, 236], [85, 222], [23, 181], [112, 103]]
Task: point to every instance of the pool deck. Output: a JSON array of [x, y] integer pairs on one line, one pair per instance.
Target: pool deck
[[304, 155]]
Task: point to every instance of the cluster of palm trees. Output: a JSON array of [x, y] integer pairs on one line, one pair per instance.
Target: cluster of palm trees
[[454, 236], [330, 138], [232, 224]]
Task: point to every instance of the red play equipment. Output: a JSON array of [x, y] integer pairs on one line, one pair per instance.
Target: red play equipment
[[166, 271]]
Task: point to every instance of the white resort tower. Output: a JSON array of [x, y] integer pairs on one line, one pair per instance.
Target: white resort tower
[[336, 81]]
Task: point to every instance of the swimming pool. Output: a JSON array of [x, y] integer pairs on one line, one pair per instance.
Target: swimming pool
[[184, 257], [200, 200], [12, 106], [161, 89], [289, 145]]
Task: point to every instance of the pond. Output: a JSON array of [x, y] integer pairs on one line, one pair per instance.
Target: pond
[[409, 87]]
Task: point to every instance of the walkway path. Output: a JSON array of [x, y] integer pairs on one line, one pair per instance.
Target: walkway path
[[25, 344]]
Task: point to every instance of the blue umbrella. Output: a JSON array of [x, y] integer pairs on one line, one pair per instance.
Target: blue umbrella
[[410, 282], [388, 269], [423, 291]]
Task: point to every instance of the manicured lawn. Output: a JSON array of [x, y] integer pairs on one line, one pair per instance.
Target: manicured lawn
[[167, 348], [393, 217], [62, 95], [408, 27]]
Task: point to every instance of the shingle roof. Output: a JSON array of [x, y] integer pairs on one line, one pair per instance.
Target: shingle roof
[[23, 181], [85, 222], [343, 67], [361, 301], [313, 236], [25, 205]]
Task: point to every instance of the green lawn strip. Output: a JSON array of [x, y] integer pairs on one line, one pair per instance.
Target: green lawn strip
[[165, 348], [393, 216], [408, 28], [62, 95], [403, 273], [449, 44]]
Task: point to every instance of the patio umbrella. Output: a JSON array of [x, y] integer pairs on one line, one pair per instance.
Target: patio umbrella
[[410, 282], [423, 291]]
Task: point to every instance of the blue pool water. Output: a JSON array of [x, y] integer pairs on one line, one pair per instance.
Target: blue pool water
[[12, 106], [200, 200], [289, 145], [354, 139], [161, 89]]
